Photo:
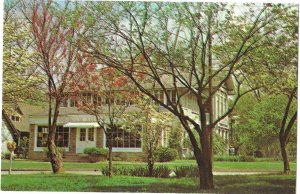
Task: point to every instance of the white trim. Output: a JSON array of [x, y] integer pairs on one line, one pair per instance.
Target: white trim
[[40, 149], [127, 149], [82, 125]]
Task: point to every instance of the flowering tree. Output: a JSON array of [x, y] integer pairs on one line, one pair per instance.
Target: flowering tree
[[55, 28], [112, 94], [20, 75], [153, 120]]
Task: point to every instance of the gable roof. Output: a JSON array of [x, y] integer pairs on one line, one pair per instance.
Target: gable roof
[[10, 126], [25, 110]]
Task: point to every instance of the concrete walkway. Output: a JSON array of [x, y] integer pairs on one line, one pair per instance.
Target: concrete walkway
[[90, 172]]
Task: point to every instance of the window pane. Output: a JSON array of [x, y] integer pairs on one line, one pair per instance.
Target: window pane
[[91, 134], [82, 134]]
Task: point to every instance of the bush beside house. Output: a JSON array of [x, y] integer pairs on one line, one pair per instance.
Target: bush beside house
[[96, 154]]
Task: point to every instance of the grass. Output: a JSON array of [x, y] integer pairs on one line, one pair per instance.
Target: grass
[[224, 184], [275, 166]]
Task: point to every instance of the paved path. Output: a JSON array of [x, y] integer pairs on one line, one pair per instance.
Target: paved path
[[100, 173]]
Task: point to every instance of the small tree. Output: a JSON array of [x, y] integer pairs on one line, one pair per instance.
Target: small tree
[[11, 146], [154, 121], [112, 95]]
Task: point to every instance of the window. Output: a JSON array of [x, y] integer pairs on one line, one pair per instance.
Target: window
[[61, 136], [87, 97], [91, 134], [15, 118], [64, 103], [42, 137], [123, 139], [96, 99], [172, 96], [82, 134], [74, 103]]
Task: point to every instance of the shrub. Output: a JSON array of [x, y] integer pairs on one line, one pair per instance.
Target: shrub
[[139, 171], [95, 151], [62, 151], [187, 171], [226, 158], [165, 154], [161, 172], [247, 159], [6, 156]]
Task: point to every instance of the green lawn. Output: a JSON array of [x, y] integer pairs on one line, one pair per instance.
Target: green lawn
[[224, 184], [218, 166]]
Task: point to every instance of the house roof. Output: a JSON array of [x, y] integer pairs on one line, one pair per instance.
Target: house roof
[[10, 126], [25, 110]]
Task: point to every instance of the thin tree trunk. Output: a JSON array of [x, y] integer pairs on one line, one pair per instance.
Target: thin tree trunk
[[10, 162], [150, 164], [110, 173], [286, 165]]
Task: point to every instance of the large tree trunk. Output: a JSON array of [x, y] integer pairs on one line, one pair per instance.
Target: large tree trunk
[[204, 161], [286, 165], [55, 157]]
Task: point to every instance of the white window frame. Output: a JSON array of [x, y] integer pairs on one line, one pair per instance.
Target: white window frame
[[40, 149]]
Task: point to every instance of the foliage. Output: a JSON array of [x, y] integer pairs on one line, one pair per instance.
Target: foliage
[[155, 125], [186, 171], [182, 39], [95, 151], [165, 154], [23, 147], [257, 124], [226, 158], [20, 76], [6, 155], [220, 145], [175, 139], [159, 172]]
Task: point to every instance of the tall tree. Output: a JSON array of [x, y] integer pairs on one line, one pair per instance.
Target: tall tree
[[279, 59], [20, 74], [55, 27], [184, 45]]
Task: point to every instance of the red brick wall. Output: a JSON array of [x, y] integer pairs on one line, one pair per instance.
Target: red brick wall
[[31, 141], [72, 142]]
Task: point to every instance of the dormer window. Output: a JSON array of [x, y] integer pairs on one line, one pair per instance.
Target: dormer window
[[15, 118]]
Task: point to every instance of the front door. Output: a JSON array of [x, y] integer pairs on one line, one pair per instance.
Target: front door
[[86, 137]]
